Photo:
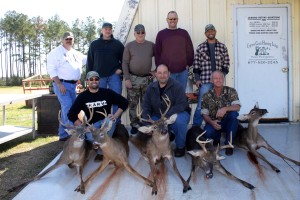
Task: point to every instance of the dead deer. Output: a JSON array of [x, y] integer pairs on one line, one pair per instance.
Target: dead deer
[[205, 155], [250, 140], [115, 150], [154, 144], [75, 151]]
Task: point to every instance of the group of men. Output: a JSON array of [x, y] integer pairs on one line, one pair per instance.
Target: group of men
[[107, 60]]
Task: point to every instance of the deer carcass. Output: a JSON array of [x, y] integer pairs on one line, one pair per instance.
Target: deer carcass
[[154, 144], [75, 151], [205, 155], [250, 140], [115, 150]]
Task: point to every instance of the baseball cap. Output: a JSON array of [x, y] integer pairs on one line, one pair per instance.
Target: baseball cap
[[209, 27], [139, 27], [91, 74], [106, 25], [67, 35]]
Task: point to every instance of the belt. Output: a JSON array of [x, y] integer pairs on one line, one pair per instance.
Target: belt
[[140, 75], [68, 81]]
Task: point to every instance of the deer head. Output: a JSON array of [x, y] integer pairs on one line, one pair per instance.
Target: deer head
[[100, 134], [159, 126], [208, 156], [254, 115]]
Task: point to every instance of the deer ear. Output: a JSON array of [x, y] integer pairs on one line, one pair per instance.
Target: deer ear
[[145, 129], [108, 125], [242, 117], [220, 157], [172, 119], [195, 153]]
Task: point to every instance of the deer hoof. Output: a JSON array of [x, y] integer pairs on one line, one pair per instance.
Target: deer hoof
[[185, 189], [277, 170], [154, 191]]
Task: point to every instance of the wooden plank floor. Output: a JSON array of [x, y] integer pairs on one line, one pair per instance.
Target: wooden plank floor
[[114, 185]]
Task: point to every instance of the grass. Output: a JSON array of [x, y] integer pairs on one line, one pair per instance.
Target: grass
[[23, 158]]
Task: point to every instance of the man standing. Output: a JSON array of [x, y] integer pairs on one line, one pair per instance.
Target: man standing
[[210, 56], [220, 107], [153, 105], [100, 100], [64, 65], [136, 65], [105, 57], [174, 48]]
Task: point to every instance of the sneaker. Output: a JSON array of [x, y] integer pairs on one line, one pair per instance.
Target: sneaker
[[216, 142], [229, 151], [179, 152], [134, 130], [65, 138], [98, 158]]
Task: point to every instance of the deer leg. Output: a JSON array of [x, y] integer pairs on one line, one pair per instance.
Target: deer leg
[[154, 175], [81, 188], [271, 149], [134, 172], [223, 171], [186, 185], [255, 153], [192, 173]]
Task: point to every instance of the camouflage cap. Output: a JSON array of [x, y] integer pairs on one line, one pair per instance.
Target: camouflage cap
[[91, 74]]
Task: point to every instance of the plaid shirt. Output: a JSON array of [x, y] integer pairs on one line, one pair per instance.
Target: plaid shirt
[[202, 62], [210, 103]]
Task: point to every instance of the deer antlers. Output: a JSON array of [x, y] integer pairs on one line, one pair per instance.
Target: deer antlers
[[202, 143]]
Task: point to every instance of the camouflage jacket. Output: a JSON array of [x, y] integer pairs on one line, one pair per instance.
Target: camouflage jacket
[[211, 103]]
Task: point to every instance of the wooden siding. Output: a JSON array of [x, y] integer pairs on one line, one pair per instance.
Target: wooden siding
[[195, 14]]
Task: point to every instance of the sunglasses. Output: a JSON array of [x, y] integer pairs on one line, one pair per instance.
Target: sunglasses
[[140, 33], [93, 79], [172, 19], [69, 39]]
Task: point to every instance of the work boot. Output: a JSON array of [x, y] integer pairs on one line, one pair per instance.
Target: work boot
[[179, 152], [229, 151], [98, 158]]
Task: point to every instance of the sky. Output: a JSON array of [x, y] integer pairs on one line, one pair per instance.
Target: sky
[[67, 10]]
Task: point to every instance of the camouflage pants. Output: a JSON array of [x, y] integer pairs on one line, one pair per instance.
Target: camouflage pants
[[139, 86]]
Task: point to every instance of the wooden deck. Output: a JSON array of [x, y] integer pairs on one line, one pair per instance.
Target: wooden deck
[[112, 184]]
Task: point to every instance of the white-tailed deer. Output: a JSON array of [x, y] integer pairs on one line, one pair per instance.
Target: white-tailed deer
[[154, 144], [115, 150], [250, 140], [75, 151], [205, 155]]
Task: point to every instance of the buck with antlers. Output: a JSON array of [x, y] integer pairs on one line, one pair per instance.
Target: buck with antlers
[[205, 155], [250, 140], [154, 144], [115, 150], [75, 151]]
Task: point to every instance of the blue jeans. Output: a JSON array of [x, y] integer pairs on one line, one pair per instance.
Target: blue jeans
[[89, 136], [198, 118], [181, 77], [229, 124], [66, 100], [114, 83], [179, 127]]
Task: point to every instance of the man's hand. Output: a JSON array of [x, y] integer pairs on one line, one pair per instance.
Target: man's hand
[[198, 83], [118, 71], [128, 84], [216, 125], [61, 88], [221, 112]]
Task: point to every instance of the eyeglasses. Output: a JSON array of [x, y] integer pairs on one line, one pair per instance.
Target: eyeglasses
[[93, 79], [69, 39], [140, 33], [172, 19]]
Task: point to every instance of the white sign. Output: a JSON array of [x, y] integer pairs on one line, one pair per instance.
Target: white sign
[[264, 25], [262, 52]]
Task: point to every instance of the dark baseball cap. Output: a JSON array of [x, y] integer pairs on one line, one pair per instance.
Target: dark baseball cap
[[209, 27], [106, 25], [139, 27]]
